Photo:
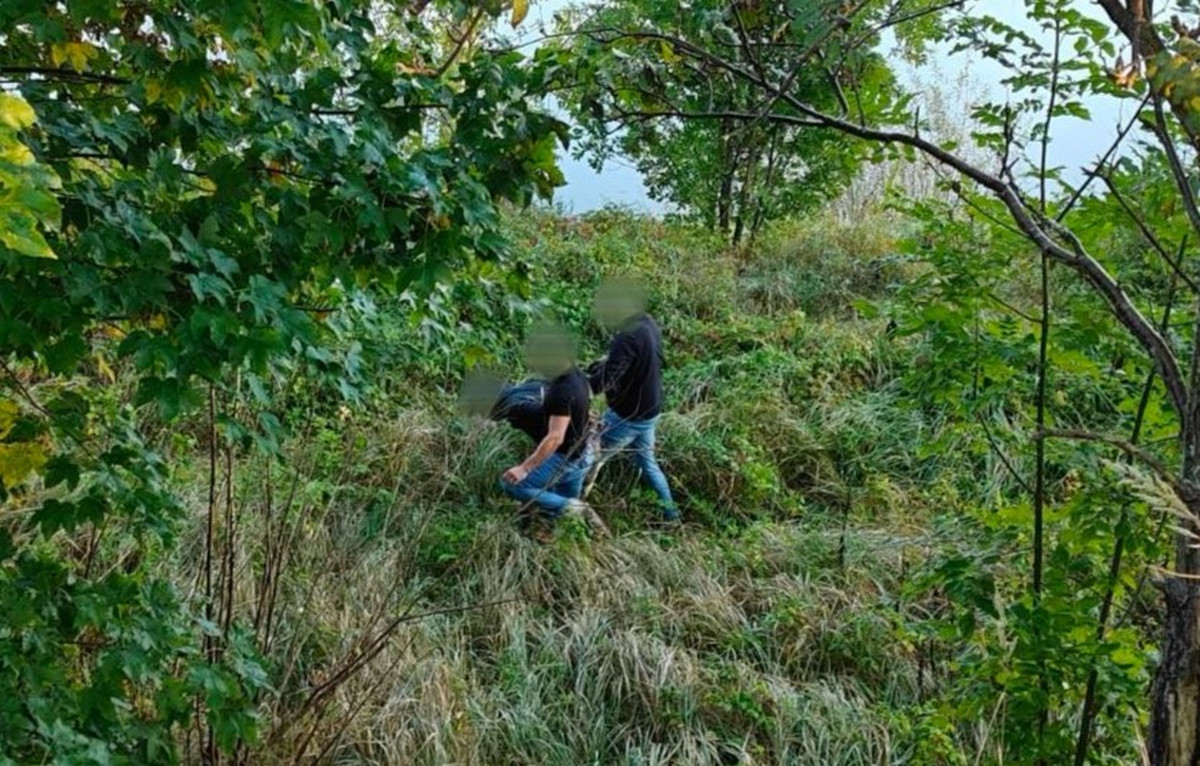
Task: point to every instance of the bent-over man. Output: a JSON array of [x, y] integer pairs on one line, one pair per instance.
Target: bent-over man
[[552, 476]]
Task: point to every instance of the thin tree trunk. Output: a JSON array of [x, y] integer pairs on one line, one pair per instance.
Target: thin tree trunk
[[1039, 485], [760, 204], [728, 166], [1039, 497], [1175, 714], [1088, 714], [746, 192], [210, 755], [1176, 689]]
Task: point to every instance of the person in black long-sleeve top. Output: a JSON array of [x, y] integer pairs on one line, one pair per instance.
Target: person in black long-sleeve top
[[630, 377]]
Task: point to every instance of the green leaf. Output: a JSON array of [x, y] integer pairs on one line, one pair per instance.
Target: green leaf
[[54, 515], [18, 461], [60, 469], [15, 112], [520, 9]]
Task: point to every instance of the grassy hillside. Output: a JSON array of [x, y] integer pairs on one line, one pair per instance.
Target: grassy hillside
[[405, 620]]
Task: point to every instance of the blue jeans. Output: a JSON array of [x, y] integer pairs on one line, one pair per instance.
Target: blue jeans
[[552, 484], [637, 437]]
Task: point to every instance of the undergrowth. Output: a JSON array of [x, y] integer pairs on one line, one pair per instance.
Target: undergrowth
[[403, 618]]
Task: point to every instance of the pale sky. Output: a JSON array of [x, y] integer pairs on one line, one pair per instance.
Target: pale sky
[[1075, 144]]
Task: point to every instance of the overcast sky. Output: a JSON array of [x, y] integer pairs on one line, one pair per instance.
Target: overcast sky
[[1075, 143]]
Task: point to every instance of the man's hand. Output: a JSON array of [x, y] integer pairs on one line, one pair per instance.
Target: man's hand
[[555, 433], [516, 474]]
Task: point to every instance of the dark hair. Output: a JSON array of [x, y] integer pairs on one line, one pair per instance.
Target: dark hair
[[519, 397]]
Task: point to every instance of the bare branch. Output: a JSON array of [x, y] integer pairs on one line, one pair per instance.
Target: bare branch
[[1131, 450], [459, 44], [749, 117], [1003, 458], [1112, 149], [1150, 237], [1180, 175], [1026, 219], [66, 75], [1013, 309], [894, 21]]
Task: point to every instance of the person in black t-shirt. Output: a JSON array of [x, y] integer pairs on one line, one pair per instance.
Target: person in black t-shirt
[[523, 406], [552, 476], [631, 379]]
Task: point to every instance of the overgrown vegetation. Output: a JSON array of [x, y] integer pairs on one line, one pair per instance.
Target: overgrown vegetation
[[934, 463], [766, 630], [841, 594]]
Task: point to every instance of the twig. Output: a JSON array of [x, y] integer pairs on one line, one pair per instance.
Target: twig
[[1150, 237], [1182, 180], [1012, 308], [1132, 450], [459, 45], [1112, 149], [65, 74], [1000, 454]]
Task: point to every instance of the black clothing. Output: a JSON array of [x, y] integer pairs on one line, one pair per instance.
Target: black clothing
[[569, 395], [631, 375], [527, 406], [523, 406]]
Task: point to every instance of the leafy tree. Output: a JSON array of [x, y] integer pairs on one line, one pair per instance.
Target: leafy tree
[[693, 132], [1130, 52], [198, 182]]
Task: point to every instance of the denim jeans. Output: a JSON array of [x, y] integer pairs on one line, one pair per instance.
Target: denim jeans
[[636, 437], [552, 484]]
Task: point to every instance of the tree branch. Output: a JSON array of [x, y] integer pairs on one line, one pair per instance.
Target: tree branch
[[1079, 260], [65, 74], [1139, 33], [1131, 450], [749, 117], [459, 45], [1003, 458], [1150, 237], [1182, 182], [1077, 194], [1012, 308], [895, 21]]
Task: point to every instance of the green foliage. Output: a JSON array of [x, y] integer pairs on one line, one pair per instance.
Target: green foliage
[[267, 247], [694, 132], [973, 311], [27, 199], [216, 182], [851, 587]]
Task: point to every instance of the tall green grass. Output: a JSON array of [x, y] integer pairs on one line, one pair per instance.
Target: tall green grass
[[405, 619]]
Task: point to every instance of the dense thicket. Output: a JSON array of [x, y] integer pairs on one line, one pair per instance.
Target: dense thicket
[[189, 188], [934, 464]]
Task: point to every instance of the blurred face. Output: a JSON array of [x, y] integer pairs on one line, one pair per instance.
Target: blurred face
[[549, 351], [617, 301], [479, 392]]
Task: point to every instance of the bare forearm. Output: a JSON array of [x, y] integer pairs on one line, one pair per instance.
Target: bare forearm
[[544, 450]]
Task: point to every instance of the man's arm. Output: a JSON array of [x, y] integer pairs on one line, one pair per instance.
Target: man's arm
[[605, 375], [555, 435]]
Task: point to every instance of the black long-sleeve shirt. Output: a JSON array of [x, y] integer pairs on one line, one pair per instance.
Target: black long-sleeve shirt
[[631, 375]]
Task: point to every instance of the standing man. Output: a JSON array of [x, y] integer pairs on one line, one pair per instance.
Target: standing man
[[631, 379], [552, 476]]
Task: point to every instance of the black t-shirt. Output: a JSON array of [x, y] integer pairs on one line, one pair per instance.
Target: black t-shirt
[[523, 406], [631, 375], [568, 395]]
